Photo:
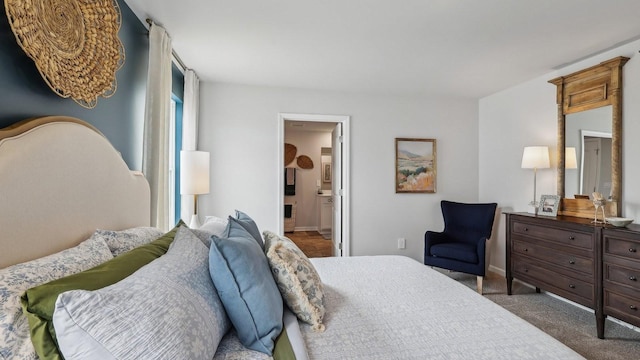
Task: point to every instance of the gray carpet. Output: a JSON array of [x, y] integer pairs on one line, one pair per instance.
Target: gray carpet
[[573, 326]]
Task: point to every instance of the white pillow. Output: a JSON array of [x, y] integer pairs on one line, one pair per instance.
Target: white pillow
[[124, 240], [15, 341], [212, 226], [168, 309]]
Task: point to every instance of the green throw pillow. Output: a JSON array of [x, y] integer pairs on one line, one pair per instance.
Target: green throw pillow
[[38, 303], [283, 350]]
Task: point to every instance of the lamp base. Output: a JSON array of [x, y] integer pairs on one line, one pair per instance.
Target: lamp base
[[195, 222], [533, 208]]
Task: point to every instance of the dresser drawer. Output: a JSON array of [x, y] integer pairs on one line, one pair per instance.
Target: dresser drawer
[[573, 289], [560, 258], [622, 247], [567, 237], [622, 275], [622, 307]]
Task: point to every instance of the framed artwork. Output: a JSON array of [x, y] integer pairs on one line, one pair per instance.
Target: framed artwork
[[415, 165], [548, 205], [326, 172]]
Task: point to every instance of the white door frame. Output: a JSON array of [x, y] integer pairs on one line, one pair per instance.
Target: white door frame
[[344, 119], [583, 134]]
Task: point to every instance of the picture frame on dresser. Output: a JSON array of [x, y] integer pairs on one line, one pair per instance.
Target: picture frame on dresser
[[549, 205]]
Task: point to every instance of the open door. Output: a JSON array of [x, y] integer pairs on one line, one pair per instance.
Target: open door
[[591, 166], [337, 191]]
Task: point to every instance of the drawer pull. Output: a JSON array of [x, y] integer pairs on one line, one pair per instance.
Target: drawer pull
[[526, 229], [572, 286], [525, 250], [526, 270], [572, 262], [572, 238], [633, 278], [632, 250], [633, 307]]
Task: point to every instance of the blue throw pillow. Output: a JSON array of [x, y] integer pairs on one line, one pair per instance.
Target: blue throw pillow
[[243, 280], [248, 224]]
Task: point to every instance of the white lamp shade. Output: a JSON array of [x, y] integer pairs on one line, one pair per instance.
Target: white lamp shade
[[535, 157], [194, 172], [570, 159]]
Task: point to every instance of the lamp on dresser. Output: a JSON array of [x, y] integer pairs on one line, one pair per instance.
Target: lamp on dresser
[[535, 157], [570, 158], [194, 179]]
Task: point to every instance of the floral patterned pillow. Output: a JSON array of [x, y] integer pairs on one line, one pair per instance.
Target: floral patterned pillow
[[297, 279], [122, 241], [15, 342]]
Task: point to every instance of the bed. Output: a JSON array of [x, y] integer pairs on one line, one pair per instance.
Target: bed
[[61, 180]]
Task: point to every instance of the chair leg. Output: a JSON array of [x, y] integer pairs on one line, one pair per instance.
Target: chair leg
[[480, 278]]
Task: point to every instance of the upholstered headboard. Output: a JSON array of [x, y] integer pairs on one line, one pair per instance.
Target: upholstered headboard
[[60, 180]]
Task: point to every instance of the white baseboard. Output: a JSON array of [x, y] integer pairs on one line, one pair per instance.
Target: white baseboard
[[305, 228], [497, 270]]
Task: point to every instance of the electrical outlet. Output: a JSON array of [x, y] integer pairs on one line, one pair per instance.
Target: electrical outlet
[[402, 243]]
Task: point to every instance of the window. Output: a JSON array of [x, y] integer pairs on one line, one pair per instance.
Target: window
[[175, 144]]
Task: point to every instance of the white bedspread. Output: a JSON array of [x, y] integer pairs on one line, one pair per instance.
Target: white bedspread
[[392, 307]]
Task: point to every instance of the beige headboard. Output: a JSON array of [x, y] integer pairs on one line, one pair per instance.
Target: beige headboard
[[60, 180]]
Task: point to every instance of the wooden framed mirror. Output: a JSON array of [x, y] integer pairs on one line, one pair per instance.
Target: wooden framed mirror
[[584, 100]]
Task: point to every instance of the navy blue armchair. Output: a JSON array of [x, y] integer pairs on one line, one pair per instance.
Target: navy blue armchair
[[462, 245]]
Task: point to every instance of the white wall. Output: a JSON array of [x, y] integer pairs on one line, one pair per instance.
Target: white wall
[[526, 115], [308, 143], [239, 126]]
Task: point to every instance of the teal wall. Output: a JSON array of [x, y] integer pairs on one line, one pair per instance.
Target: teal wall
[[24, 94]]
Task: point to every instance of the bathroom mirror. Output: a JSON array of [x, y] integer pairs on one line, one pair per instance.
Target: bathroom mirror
[[590, 100]]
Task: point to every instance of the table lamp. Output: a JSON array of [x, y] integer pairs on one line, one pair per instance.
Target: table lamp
[[194, 178], [535, 157]]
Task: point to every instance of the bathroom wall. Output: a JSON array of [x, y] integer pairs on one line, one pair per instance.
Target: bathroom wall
[[308, 143]]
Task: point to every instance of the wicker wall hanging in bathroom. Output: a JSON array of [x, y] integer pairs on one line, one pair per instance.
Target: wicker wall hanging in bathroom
[[290, 152], [303, 161], [73, 43]]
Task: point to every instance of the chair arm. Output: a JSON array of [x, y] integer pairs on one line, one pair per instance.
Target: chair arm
[[432, 238], [482, 245]]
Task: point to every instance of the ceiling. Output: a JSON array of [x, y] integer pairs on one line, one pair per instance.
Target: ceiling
[[465, 48]]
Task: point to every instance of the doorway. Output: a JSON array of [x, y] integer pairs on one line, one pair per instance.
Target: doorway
[[337, 192], [595, 167]]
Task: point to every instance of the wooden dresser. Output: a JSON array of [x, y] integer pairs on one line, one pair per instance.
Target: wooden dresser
[[621, 273], [597, 266]]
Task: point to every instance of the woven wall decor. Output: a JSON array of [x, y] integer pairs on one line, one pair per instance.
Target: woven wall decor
[[305, 162], [290, 152], [74, 44]]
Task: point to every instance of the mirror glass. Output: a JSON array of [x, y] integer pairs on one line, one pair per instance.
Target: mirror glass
[[589, 132]]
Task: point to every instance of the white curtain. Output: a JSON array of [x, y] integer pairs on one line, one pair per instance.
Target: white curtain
[[189, 130], [155, 161]]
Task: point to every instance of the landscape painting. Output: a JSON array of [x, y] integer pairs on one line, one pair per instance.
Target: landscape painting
[[415, 165]]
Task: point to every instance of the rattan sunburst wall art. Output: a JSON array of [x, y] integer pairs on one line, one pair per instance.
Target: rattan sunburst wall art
[[74, 44]]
